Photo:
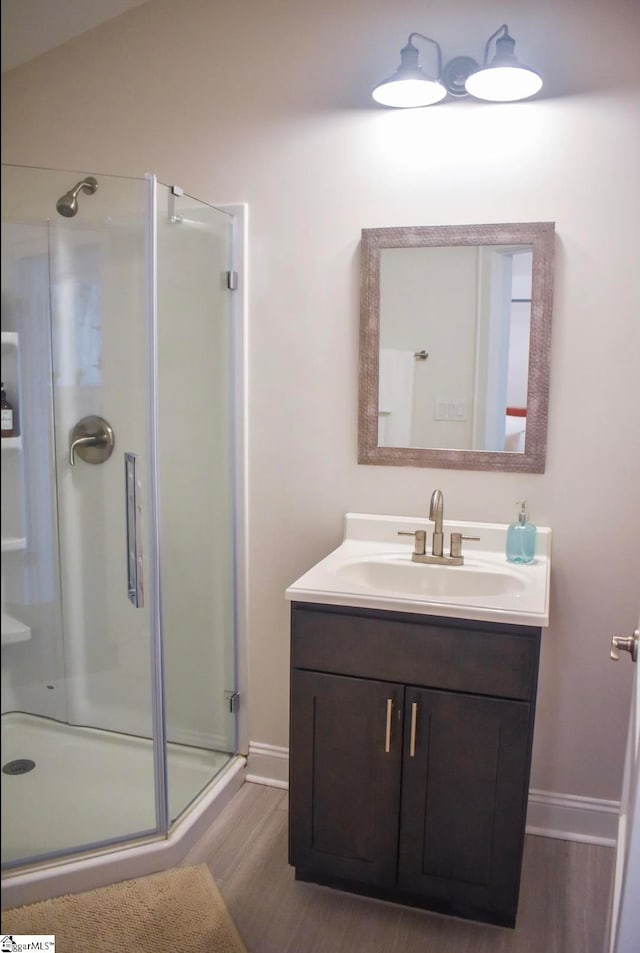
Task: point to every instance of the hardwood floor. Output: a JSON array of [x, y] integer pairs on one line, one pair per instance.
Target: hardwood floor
[[563, 901]]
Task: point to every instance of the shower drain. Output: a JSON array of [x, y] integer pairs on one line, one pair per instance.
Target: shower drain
[[19, 766]]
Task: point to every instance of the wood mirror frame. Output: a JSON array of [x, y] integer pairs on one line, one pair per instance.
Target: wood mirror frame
[[540, 236]]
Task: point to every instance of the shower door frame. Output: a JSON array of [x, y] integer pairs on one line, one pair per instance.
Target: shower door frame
[[239, 317], [159, 728]]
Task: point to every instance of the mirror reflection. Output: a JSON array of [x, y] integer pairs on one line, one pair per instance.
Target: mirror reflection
[[455, 345]]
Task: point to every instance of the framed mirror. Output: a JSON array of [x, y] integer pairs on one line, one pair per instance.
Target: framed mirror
[[455, 340]]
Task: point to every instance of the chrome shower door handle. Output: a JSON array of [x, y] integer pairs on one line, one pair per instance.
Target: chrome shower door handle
[[92, 440], [135, 589]]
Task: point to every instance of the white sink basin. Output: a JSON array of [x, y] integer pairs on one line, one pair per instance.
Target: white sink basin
[[372, 568], [401, 575]]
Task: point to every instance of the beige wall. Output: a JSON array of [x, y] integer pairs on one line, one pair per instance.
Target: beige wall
[[267, 101]]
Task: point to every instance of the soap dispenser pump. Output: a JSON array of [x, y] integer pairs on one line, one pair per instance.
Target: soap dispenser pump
[[521, 538]]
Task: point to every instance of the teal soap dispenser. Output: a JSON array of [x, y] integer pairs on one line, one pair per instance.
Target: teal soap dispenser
[[521, 538]]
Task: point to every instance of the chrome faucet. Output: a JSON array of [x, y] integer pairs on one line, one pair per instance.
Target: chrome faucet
[[436, 514]]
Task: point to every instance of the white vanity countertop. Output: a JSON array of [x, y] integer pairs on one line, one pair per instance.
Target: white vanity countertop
[[372, 569]]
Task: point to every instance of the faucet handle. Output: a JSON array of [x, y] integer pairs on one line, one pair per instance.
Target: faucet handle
[[421, 540], [456, 543]]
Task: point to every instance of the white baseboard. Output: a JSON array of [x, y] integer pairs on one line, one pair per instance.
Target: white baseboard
[[268, 764], [562, 816], [571, 817]]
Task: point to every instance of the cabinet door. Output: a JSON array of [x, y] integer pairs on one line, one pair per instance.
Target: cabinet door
[[465, 781], [345, 768]]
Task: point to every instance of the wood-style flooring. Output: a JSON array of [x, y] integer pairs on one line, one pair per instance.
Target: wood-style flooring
[[564, 896]]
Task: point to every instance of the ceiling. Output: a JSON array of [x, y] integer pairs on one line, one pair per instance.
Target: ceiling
[[32, 27]]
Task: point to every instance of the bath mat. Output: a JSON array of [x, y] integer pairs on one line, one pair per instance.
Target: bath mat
[[178, 909]]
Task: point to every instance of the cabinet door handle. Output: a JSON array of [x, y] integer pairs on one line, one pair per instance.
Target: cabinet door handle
[[387, 732], [414, 721]]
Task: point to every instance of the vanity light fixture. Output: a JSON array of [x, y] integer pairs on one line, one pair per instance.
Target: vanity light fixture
[[409, 86], [502, 80]]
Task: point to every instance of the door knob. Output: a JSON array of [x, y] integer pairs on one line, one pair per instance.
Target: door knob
[[92, 440], [620, 643]]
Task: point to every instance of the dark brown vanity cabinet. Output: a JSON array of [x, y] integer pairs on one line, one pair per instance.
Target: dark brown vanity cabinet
[[410, 750]]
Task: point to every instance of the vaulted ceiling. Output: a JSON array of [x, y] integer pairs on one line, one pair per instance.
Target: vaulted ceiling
[[33, 27]]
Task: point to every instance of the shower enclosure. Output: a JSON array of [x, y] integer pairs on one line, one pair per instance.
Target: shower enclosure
[[118, 509]]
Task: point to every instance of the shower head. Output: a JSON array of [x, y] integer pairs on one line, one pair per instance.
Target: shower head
[[67, 204]]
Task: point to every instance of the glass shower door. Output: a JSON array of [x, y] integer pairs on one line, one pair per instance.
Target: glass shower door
[[196, 490]]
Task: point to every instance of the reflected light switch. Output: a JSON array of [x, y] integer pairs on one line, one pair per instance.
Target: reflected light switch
[[450, 409]]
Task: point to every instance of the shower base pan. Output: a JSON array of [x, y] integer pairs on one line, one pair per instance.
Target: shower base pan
[[88, 786]]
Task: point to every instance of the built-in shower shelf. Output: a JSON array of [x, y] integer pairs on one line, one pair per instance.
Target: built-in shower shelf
[[11, 443], [9, 340], [13, 630], [12, 544], [9, 347]]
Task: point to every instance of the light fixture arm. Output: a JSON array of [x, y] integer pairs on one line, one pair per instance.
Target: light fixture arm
[[409, 53], [504, 43]]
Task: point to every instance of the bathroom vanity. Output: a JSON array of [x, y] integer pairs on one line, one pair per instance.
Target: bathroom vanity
[[411, 728]]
